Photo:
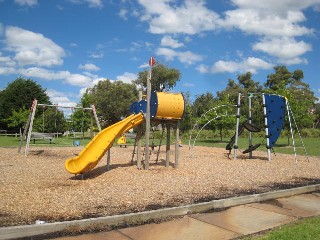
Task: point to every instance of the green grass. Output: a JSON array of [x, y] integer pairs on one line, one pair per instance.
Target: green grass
[[308, 228], [312, 145], [58, 142]]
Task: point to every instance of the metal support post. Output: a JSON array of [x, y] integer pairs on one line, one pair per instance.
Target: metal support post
[[237, 127], [168, 146], [250, 121], [266, 125], [176, 163]]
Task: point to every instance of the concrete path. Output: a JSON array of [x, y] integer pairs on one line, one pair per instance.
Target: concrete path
[[227, 224]]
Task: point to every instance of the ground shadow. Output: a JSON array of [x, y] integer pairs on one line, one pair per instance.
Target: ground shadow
[[36, 152], [96, 172], [213, 141]]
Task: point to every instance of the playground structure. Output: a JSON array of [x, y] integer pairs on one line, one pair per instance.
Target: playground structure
[[167, 108], [274, 110], [28, 134]]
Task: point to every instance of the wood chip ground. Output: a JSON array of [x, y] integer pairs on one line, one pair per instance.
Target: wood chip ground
[[38, 187]]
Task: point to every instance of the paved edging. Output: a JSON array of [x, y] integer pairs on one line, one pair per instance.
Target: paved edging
[[135, 218]]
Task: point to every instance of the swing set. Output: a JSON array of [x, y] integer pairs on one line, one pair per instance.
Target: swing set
[[274, 110], [28, 134]]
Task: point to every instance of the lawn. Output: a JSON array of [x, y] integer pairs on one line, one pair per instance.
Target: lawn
[[6, 141], [308, 228], [312, 144]]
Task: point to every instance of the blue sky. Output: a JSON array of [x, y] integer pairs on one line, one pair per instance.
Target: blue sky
[[69, 45]]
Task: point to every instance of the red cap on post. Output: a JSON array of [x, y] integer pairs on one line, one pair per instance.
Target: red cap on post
[[152, 61]]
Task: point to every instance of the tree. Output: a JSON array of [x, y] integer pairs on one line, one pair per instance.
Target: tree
[[17, 95], [247, 87], [186, 122], [317, 115], [50, 120], [163, 78], [112, 100], [223, 117], [278, 80], [203, 103], [298, 93], [18, 118], [231, 91], [248, 84]]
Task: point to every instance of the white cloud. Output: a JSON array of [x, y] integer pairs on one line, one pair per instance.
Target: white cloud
[[95, 3], [26, 2], [184, 57], [79, 80], [43, 73], [7, 70], [267, 23], [89, 67], [276, 5], [91, 3], [287, 50], [7, 65], [123, 13], [75, 79], [96, 55], [188, 85], [32, 48], [144, 65], [6, 61], [168, 41], [127, 77], [60, 98], [203, 68], [74, 45], [189, 57], [191, 17], [277, 25], [251, 64], [168, 53], [1, 29]]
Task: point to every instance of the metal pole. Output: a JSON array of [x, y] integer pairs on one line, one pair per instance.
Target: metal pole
[[176, 164], [139, 138], [266, 125], [293, 143], [250, 121], [168, 146], [108, 159], [237, 127], [60, 106]]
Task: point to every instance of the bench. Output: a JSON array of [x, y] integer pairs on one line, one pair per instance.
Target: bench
[[42, 136]]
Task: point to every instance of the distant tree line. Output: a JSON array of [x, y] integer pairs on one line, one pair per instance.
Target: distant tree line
[[113, 99]]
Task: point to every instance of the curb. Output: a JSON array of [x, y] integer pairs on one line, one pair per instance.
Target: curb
[[141, 217]]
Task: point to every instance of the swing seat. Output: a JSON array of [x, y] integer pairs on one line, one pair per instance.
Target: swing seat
[[252, 148], [233, 138], [230, 144], [250, 127]]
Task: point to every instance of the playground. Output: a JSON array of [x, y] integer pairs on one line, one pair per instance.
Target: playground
[[37, 187]]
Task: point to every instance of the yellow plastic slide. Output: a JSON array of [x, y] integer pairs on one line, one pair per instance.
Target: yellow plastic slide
[[96, 149]]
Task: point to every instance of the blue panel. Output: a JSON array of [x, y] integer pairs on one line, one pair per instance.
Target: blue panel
[[153, 104], [138, 107], [141, 106], [276, 108], [134, 107]]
